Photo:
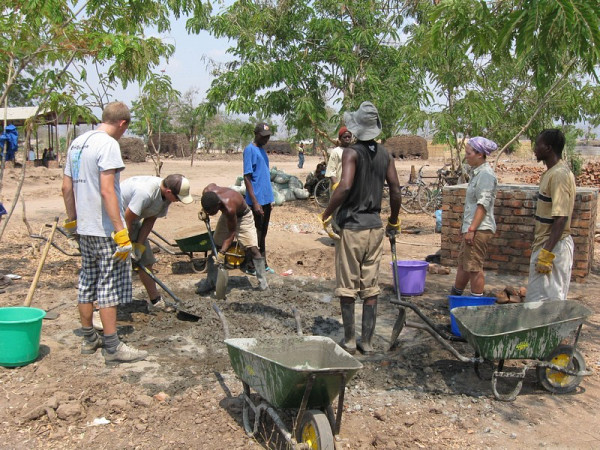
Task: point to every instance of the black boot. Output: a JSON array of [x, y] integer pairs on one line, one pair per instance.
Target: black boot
[[349, 341], [369, 318]]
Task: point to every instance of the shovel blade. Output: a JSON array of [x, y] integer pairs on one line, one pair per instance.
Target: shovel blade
[[221, 284]]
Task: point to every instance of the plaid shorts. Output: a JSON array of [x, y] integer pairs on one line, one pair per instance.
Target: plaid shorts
[[102, 279]]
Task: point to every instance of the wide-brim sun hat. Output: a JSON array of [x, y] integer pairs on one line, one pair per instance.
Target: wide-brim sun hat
[[364, 123]]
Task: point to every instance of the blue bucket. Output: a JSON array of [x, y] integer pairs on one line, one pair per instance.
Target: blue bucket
[[456, 301], [411, 276]]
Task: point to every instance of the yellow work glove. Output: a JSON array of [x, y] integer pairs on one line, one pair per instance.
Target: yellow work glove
[[544, 261], [335, 186], [326, 224], [138, 250], [220, 259], [392, 229], [124, 245], [202, 215], [70, 228]]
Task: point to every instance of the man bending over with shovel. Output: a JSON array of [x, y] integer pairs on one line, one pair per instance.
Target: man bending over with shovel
[[236, 219], [145, 199], [365, 166]]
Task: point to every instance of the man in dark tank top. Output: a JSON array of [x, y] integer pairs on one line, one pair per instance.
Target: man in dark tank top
[[365, 167]]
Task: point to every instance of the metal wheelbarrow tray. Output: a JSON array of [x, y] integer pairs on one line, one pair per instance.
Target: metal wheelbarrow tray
[[532, 331], [280, 369], [303, 373]]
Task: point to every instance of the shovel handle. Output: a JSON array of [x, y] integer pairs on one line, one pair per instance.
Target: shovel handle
[[40, 265]]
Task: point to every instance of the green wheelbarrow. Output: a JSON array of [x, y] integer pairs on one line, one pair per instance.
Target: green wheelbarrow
[[535, 332], [199, 243], [300, 373]]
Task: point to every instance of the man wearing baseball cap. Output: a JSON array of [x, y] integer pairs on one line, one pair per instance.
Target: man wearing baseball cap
[[259, 193], [145, 199]]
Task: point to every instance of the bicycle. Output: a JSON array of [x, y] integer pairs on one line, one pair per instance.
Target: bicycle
[[410, 193], [322, 192], [430, 198]]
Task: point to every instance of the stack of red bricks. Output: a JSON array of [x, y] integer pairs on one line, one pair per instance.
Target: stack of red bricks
[[514, 209]]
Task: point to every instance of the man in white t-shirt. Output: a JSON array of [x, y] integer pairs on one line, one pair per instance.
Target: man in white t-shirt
[[145, 199], [92, 199]]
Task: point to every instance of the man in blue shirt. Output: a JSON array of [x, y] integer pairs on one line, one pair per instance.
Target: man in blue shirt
[[259, 193]]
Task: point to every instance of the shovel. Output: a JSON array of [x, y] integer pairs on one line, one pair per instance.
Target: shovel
[[177, 303], [401, 320], [222, 273], [50, 315]]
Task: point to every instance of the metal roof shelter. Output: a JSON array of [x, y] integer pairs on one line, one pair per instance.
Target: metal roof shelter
[[19, 115]]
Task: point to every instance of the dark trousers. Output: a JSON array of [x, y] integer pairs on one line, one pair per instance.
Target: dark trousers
[[262, 226]]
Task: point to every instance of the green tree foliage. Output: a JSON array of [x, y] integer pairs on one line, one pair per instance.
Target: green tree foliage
[[541, 49], [292, 58]]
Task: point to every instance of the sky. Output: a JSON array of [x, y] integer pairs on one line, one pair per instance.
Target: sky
[[187, 67]]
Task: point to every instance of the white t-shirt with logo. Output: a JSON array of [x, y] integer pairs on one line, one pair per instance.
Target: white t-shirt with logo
[[142, 196], [89, 155]]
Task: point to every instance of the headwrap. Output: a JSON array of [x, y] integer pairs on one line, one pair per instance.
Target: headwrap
[[342, 131], [482, 145]]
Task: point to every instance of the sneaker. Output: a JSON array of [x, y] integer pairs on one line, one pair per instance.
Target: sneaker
[[97, 321], [269, 270], [87, 347], [160, 306], [249, 271], [124, 353]]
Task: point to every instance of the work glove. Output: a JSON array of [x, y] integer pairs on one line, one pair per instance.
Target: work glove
[[326, 224], [220, 259], [202, 215], [124, 245], [392, 229], [544, 261], [70, 228], [333, 188], [138, 250]]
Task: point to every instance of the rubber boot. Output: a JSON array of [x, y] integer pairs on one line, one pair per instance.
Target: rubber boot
[[261, 274], [349, 342], [369, 318], [209, 283]]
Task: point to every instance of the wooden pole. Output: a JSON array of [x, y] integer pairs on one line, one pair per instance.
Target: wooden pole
[[40, 265]]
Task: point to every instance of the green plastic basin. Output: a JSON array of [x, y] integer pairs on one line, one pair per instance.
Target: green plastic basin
[[20, 330]]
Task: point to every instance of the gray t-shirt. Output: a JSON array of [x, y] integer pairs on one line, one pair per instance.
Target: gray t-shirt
[[91, 153], [142, 196]]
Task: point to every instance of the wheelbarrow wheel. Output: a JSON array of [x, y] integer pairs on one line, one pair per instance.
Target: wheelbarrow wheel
[[315, 431], [558, 382]]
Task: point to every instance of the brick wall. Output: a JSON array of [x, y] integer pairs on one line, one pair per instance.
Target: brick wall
[[510, 249]]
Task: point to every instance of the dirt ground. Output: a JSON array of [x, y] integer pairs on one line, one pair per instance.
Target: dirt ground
[[185, 395]]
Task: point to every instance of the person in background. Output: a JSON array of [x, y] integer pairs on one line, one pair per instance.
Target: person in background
[[365, 167], [334, 165], [478, 225], [145, 199], [259, 192], [301, 156], [236, 220], [552, 248], [92, 196]]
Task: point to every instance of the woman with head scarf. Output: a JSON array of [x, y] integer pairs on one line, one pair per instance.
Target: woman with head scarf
[[478, 221]]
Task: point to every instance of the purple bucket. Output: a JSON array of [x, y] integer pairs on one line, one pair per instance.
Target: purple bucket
[[411, 276]]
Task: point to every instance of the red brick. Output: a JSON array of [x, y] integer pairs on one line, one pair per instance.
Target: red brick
[[499, 258], [513, 203]]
